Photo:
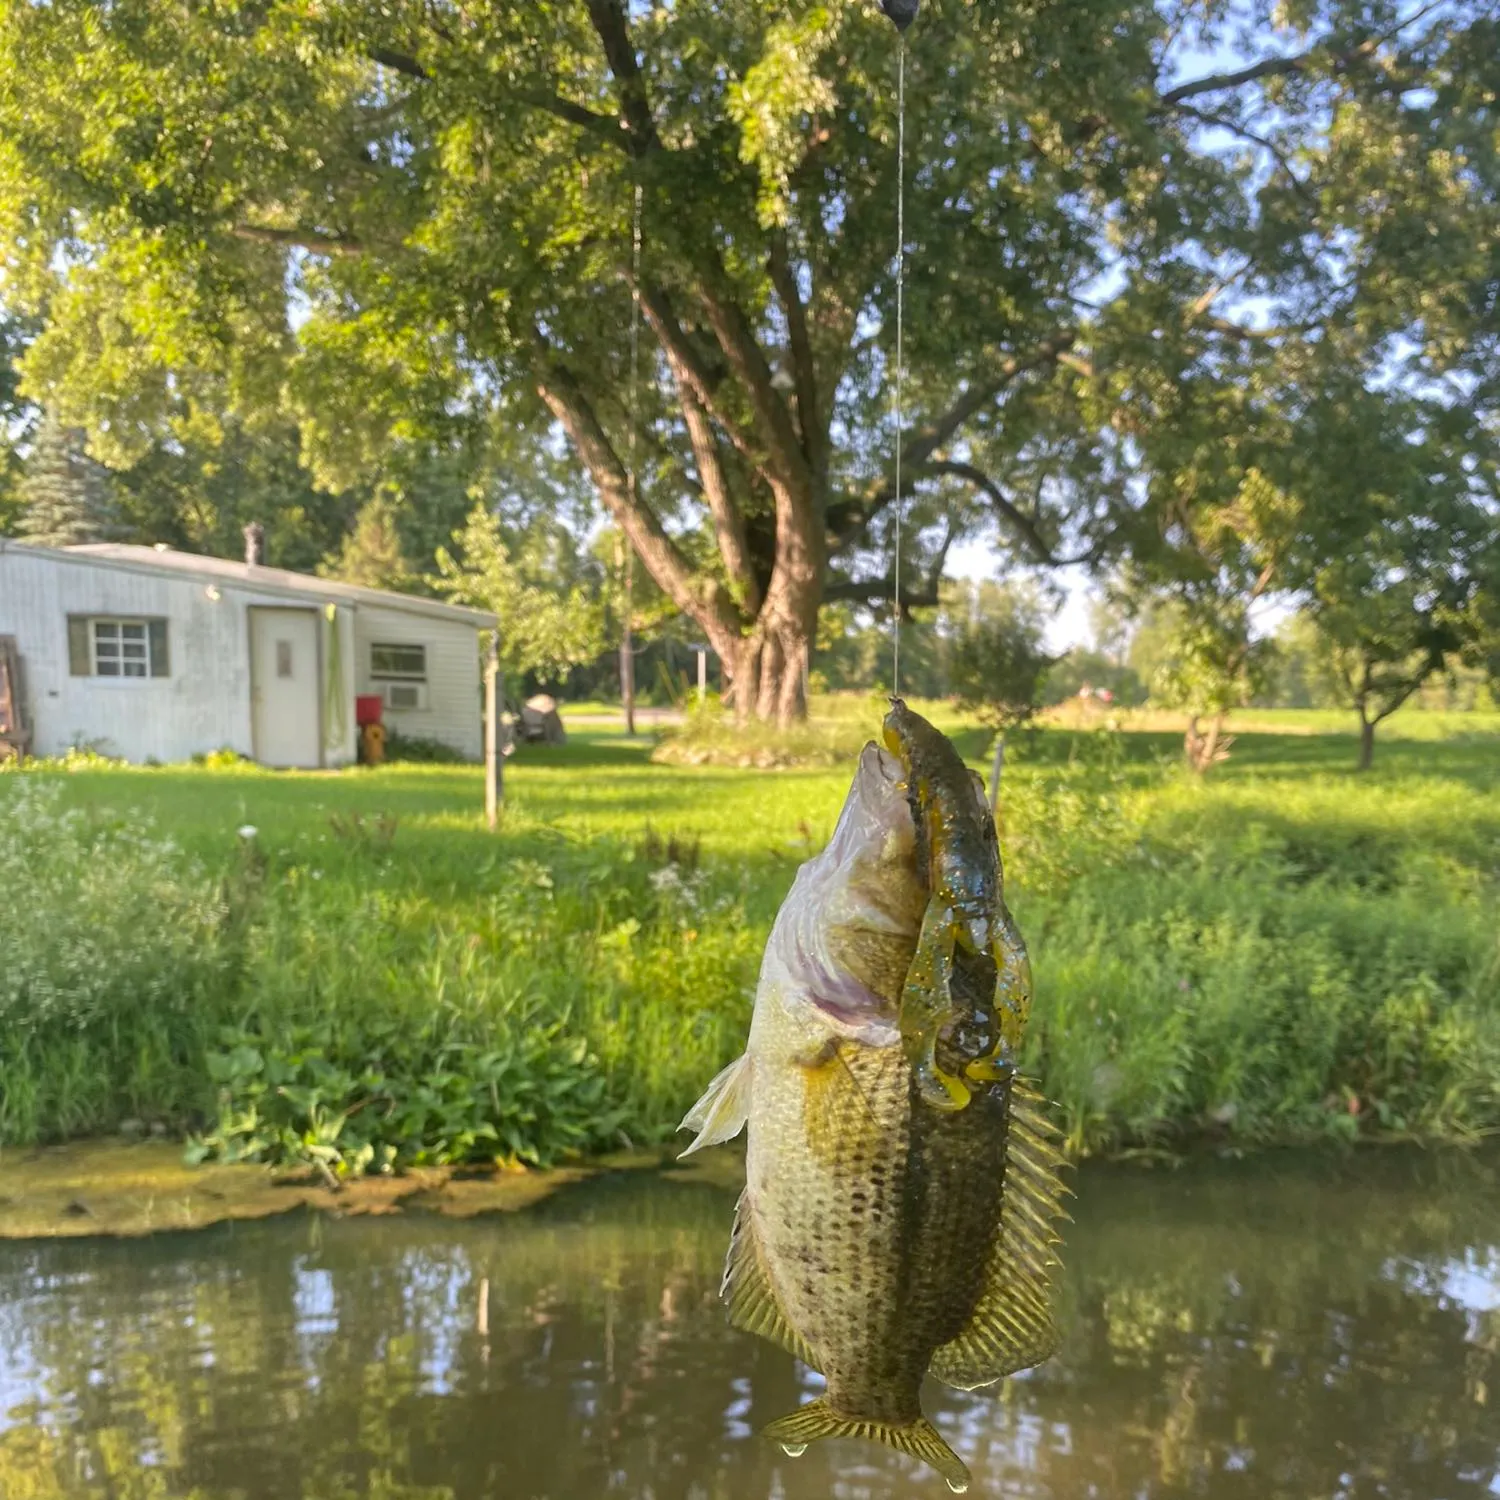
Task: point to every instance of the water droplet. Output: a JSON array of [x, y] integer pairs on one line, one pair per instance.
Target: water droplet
[[794, 1450], [959, 1487]]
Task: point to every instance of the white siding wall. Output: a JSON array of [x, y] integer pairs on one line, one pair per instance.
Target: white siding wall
[[203, 705], [453, 677]]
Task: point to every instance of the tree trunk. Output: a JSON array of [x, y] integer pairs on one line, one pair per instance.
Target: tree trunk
[[1192, 743], [1203, 750], [1366, 740], [770, 674], [1211, 742]]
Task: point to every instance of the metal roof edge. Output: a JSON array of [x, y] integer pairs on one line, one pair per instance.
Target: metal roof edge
[[262, 580]]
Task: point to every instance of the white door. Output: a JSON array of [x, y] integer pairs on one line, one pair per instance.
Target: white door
[[284, 698]]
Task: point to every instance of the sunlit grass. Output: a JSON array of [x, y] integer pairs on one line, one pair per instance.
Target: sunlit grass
[[1289, 949]]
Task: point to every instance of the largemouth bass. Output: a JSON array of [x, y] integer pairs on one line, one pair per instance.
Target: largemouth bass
[[901, 1180]]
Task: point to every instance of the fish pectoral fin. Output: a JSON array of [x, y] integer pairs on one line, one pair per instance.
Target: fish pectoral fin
[[1011, 1327], [919, 1439], [748, 1292], [721, 1113]]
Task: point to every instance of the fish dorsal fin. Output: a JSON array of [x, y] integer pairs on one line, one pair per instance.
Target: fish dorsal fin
[[721, 1113], [1012, 1327], [747, 1290], [919, 1439]]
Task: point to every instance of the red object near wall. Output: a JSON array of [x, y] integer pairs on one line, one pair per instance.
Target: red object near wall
[[368, 708]]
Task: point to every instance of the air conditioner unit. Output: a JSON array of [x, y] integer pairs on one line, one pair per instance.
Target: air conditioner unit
[[405, 695]]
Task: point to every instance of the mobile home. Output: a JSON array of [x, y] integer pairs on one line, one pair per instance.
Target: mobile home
[[152, 654]]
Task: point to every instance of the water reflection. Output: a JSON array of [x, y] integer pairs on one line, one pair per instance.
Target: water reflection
[[1303, 1328]]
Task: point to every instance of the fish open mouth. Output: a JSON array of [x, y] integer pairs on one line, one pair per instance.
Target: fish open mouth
[[844, 938]]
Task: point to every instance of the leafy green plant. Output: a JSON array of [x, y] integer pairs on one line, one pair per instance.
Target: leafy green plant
[[385, 1099]]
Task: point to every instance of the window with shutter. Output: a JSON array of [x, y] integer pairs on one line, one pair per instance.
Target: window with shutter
[[103, 646]]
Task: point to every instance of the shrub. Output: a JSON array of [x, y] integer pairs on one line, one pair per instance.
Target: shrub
[[420, 749], [1275, 976], [110, 959]]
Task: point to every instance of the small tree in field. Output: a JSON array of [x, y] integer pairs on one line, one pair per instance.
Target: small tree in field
[[1211, 665], [1413, 587], [545, 594], [1000, 662], [1383, 644]]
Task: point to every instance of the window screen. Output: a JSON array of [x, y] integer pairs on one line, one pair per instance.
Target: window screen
[[399, 663]]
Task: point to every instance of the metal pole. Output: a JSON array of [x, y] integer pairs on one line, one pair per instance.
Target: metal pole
[[626, 558], [702, 677], [494, 762]]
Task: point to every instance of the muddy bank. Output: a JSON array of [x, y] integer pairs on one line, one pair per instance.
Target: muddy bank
[[138, 1188]]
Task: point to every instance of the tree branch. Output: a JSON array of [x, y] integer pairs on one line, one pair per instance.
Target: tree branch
[[940, 557], [1009, 512], [746, 359], [846, 518], [1226, 122], [303, 239], [804, 372], [603, 126], [729, 522], [609, 18], [1267, 67], [880, 590], [925, 441], [1297, 62], [686, 363], [397, 62], [663, 559]]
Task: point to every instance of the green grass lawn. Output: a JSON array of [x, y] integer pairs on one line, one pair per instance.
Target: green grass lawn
[[1287, 950]]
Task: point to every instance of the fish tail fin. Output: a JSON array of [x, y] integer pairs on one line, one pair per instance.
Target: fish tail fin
[[917, 1439]]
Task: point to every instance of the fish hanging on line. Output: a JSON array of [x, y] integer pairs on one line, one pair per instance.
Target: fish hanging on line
[[901, 1196]]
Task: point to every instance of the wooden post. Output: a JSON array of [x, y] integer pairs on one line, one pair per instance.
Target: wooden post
[[494, 762], [625, 560], [627, 646], [996, 771], [702, 675]]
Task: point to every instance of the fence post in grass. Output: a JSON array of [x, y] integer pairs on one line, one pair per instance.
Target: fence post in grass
[[494, 761], [995, 773]]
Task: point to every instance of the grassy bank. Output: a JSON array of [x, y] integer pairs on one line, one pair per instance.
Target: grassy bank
[[1289, 951]]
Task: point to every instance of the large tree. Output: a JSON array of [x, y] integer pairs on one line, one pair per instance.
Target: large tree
[[1109, 206]]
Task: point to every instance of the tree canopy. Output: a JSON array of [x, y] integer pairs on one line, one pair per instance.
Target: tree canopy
[[1155, 255]]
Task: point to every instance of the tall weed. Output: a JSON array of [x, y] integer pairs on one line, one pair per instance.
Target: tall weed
[[1277, 978], [111, 968], [376, 982]]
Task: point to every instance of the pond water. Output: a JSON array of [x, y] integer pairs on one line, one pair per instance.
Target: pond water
[[1306, 1327]]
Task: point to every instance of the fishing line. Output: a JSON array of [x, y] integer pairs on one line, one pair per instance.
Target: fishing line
[[635, 331], [896, 411], [627, 654]]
